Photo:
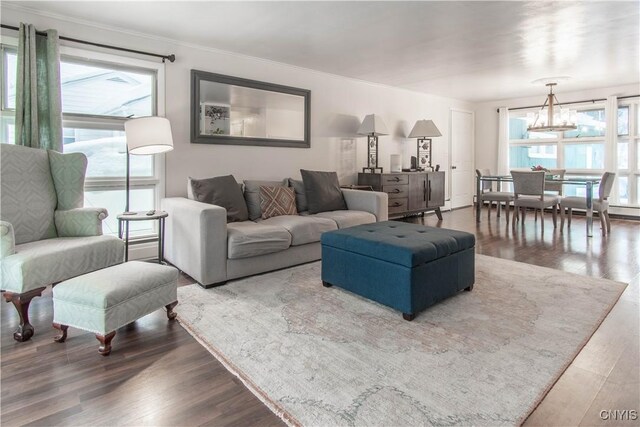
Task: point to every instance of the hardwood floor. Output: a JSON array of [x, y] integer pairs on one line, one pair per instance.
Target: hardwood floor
[[158, 374]]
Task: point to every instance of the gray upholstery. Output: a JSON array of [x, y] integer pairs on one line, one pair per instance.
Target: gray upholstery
[[54, 238], [105, 300], [488, 195], [252, 195], [528, 189], [555, 187], [301, 197], [600, 204], [374, 202], [248, 239], [196, 239], [344, 219], [303, 229]]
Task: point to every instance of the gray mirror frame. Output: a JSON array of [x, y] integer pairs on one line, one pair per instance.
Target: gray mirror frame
[[198, 76]]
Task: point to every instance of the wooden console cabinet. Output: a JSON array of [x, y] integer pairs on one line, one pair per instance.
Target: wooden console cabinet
[[409, 192]]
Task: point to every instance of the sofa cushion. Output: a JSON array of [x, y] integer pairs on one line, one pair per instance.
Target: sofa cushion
[[277, 201], [39, 263], [303, 229], [252, 195], [323, 191], [247, 239], [222, 191], [301, 197], [346, 219]]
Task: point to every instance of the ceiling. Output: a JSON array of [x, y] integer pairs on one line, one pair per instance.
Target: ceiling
[[476, 51]]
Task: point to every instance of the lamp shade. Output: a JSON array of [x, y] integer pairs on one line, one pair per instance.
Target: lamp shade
[[372, 125], [424, 129], [148, 135]]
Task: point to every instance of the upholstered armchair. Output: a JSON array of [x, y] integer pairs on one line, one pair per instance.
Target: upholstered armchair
[[46, 235]]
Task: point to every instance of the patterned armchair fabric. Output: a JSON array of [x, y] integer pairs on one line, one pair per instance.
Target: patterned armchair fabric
[[47, 236]]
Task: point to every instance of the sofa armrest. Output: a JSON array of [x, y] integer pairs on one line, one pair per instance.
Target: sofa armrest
[[196, 239], [80, 222], [374, 202], [7, 239]]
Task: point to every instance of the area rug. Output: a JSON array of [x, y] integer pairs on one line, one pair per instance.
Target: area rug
[[325, 357]]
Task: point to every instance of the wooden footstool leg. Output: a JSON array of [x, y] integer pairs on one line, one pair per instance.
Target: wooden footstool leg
[[408, 316], [170, 313], [105, 343], [63, 335], [326, 284]]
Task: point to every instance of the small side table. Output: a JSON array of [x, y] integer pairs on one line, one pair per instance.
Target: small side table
[[142, 216]]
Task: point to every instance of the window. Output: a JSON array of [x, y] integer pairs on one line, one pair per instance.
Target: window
[[582, 152], [98, 95]]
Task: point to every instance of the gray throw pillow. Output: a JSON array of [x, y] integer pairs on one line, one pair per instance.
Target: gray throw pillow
[[323, 191], [301, 197], [252, 195], [222, 191]]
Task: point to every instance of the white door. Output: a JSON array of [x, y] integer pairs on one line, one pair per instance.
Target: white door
[[462, 158]]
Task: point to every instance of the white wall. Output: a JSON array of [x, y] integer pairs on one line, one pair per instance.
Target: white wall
[[337, 106], [487, 117]]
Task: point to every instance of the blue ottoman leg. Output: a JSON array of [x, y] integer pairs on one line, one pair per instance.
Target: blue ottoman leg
[[408, 316], [469, 289], [326, 284]]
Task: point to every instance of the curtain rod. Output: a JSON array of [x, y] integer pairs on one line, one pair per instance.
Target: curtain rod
[[171, 57], [593, 101]]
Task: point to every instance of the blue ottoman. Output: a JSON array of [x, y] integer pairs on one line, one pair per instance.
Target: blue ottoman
[[408, 267]]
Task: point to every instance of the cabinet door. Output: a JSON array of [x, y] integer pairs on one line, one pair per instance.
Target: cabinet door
[[435, 189], [417, 191]]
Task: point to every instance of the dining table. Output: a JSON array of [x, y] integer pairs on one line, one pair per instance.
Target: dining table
[[588, 182]]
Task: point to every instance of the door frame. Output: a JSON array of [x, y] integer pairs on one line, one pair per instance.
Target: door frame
[[473, 151]]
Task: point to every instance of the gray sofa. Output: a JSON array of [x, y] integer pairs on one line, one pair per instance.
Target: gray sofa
[[199, 241]]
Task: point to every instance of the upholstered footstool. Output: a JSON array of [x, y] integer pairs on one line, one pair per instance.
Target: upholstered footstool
[[107, 299], [408, 267]]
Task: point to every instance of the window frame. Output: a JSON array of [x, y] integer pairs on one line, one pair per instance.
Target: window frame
[[88, 121]]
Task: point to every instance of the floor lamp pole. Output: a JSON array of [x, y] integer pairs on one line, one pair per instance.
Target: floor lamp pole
[[126, 208]]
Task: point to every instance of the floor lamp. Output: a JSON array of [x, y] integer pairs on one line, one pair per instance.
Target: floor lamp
[[146, 135]]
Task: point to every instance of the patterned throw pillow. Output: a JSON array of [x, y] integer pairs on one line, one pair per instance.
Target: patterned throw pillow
[[277, 201]]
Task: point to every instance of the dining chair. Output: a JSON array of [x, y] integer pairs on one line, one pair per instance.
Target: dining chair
[[488, 195], [528, 190], [600, 205], [555, 188]]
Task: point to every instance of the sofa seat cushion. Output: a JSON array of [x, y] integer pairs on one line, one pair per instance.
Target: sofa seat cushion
[[574, 202], [346, 219], [408, 245], [303, 229], [104, 300], [248, 239], [36, 264]]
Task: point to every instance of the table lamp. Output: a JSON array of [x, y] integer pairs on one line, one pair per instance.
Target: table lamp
[[424, 130], [372, 126], [146, 135]]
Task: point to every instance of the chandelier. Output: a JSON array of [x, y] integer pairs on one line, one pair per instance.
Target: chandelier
[[548, 119]]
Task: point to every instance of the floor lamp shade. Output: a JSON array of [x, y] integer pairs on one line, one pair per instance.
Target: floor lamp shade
[[372, 126], [146, 135], [424, 130]]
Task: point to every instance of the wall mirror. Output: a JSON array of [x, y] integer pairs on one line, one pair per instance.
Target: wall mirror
[[234, 111]]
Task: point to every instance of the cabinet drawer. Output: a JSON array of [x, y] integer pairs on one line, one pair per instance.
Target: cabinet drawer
[[396, 191], [395, 179], [397, 206]]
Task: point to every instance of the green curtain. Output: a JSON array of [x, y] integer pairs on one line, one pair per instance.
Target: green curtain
[[38, 100]]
